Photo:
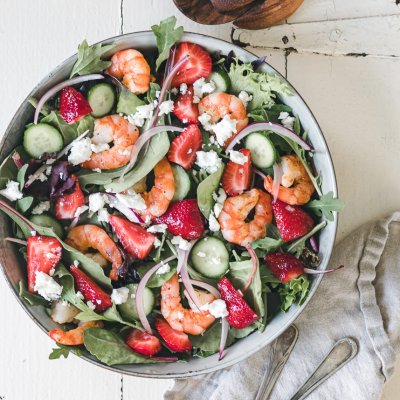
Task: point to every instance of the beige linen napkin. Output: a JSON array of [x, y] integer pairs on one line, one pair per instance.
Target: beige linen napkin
[[362, 301]]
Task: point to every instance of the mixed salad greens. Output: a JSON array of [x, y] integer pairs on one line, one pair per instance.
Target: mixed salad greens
[[165, 203]]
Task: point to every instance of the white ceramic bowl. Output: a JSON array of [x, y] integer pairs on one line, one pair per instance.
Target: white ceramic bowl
[[14, 269]]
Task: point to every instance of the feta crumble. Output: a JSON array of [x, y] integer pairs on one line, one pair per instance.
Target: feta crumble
[[287, 120], [224, 129], [245, 97], [160, 228], [97, 201], [79, 295], [208, 160], [132, 200], [183, 88], [80, 210], [181, 243], [41, 208], [12, 192], [142, 113], [217, 308], [120, 295], [200, 88], [80, 152], [91, 305], [63, 312], [166, 107], [103, 215], [163, 269], [237, 157], [157, 243], [213, 223], [47, 287], [98, 148]]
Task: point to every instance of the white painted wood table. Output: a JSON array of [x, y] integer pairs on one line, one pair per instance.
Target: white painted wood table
[[342, 55]]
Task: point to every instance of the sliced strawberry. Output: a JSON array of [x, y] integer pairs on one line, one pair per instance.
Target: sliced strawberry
[[237, 178], [183, 147], [175, 340], [73, 105], [240, 313], [292, 221], [183, 218], [90, 289], [184, 108], [134, 239], [43, 254], [143, 342], [284, 266], [198, 66], [68, 204]]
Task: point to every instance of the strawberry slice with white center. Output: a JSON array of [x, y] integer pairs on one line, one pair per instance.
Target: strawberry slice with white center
[[184, 108], [198, 66], [183, 147], [175, 340], [68, 204], [143, 342], [73, 105], [43, 254], [236, 177], [134, 239]]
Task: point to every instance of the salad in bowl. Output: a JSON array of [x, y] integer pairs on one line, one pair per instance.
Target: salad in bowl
[[165, 205]]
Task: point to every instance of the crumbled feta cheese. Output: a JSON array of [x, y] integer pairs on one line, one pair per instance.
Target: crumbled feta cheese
[[222, 196], [160, 228], [201, 254], [12, 192], [185, 120], [166, 107], [158, 92], [80, 210], [47, 287], [41, 177], [217, 308], [163, 269], [120, 296], [224, 129], [213, 224], [142, 113], [79, 295], [63, 312], [200, 88], [41, 208], [217, 209], [157, 243], [237, 157], [132, 200], [76, 263], [103, 215], [80, 151], [97, 170], [181, 243], [91, 305], [205, 119], [52, 271], [98, 148], [50, 161], [245, 97], [97, 201], [183, 88], [48, 170], [208, 160], [287, 120]]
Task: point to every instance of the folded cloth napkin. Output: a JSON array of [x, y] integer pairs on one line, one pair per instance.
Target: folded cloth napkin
[[362, 301]]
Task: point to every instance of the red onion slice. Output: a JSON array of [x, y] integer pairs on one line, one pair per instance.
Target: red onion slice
[[318, 272], [224, 336], [55, 89], [189, 288], [278, 173], [140, 291], [268, 126], [256, 263], [259, 173], [314, 244]]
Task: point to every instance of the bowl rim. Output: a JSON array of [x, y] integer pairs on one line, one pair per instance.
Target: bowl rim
[[317, 278]]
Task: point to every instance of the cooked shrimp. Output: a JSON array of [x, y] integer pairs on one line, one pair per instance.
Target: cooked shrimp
[[234, 212], [116, 129], [83, 237], [180, 318], [159, 197], [219, 105], [296, 187], [131, 66], [73, 337]]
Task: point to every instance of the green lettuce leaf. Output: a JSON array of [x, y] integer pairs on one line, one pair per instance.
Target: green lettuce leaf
[[89, 59], [166, 36], [294, 291], [325, 206], [31, 298], [128, 102], [63, 351], [208, 343]]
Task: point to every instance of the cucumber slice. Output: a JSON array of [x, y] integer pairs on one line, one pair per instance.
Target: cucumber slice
[[48, 221], [42, 138], [263, 153], [210, 257], [128, 310], [101, 98], [182, 183], [221, 80]]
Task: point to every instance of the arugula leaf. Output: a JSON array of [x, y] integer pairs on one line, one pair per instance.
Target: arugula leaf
[[294, 291], [166, 36], [152, 93], [268, 244], [156, 280], [109, 348], [63, 351], [30, 298], [325, 206], [45, 110], [89, 59], [21, 176], [260, 85], [24, 204], [242, 333], [208, 342], [8, 171], [128, 102], [205, 190], [239, 271]]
